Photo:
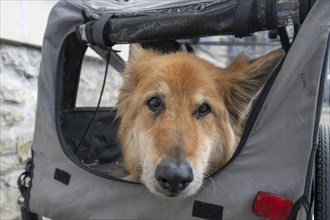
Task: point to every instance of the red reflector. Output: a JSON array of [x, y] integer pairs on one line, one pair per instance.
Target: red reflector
[[271, 206]]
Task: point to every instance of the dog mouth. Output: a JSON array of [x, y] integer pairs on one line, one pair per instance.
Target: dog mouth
[[159, 190], [168, 193], [182, 192]]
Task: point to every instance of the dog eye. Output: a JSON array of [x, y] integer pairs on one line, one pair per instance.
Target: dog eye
[[203, 110], [155, 104]]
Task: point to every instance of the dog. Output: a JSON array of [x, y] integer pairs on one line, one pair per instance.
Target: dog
[[182, 117]]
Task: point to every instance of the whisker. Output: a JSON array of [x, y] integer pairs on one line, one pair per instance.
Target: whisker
[[205, 188], [206, 176]]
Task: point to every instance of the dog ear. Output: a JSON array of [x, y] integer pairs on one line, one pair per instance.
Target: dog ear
[[243, 79], [132, 75], [135, 50]]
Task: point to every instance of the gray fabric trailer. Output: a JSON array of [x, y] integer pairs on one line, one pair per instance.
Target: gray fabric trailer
[[275, 155]]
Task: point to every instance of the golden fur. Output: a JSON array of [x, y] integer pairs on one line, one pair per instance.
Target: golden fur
[[183, 82]]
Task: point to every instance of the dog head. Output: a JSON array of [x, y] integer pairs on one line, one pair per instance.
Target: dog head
[[181, 117]]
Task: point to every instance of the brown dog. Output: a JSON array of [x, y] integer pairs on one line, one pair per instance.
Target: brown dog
[[182, 117]]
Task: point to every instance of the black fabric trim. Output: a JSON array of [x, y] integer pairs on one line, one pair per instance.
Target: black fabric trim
[[62, 176], [205, 210], [304, 7], [99, 31], [311, 164], [242, 18], [284, 37], [248, 19], [71, 58], [295, 209], [309, 207], [59, 100]]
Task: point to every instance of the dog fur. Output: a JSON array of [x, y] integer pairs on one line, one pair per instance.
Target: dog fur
[[186, 86]]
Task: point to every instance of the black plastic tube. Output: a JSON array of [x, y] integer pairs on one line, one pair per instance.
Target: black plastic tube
[[234, 17], [170, 26]]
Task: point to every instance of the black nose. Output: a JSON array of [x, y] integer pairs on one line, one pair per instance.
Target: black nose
[[173, 176]]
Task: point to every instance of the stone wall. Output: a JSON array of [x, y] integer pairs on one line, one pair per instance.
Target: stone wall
[[18, 94], [19, 71]]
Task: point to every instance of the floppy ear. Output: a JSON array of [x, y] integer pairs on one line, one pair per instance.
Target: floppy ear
[[132, 75], [135, 50], [243, 79]]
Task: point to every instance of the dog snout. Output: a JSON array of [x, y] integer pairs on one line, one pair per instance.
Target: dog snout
[[173, 176]]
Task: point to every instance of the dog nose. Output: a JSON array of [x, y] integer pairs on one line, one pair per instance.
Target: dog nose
[[173, 176]]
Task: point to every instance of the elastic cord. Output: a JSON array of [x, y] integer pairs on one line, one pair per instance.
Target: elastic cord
[[97, 107]]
